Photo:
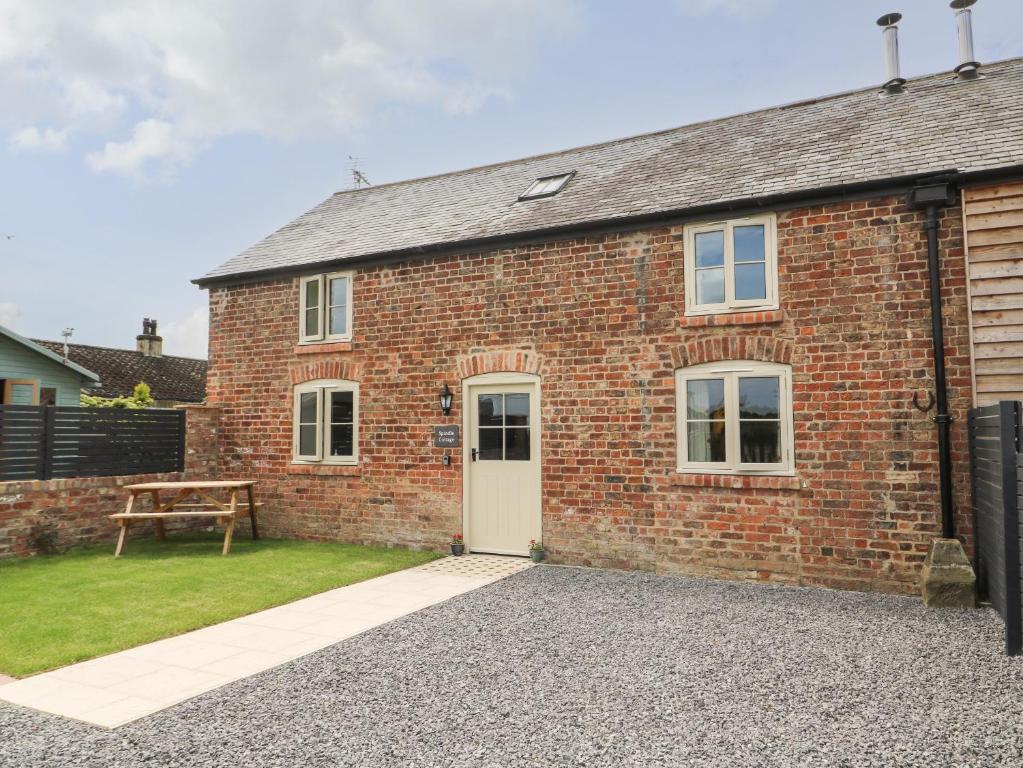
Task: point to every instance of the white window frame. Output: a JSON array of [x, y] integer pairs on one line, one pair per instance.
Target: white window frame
[[322, 388], [321, 335], [731, 304], [731, 372]]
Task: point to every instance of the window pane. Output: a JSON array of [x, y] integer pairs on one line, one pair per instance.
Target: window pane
[[710, 249], [749, 243], [338, 321], [312, 322], [710, 286], [490, 444], [312, 294], [760, 442], [706, 440], [307, 408], [490, 413], [338, 317], [307, 440], [750, 281], [342, 407], [342, 440], [705, 399], [758, 398], [516, 410], [516, 444], [338, 291]]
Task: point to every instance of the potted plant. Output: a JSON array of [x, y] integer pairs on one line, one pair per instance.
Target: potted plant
[[535, 550], [457, 544]]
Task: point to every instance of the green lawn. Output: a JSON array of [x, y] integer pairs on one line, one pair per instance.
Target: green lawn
[[60, 609]]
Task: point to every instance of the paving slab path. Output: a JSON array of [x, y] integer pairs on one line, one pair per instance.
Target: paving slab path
[[113, 690], [575, 667]]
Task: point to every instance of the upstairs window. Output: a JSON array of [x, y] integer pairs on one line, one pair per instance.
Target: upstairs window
[[325, 308], [326, 423], [735, 417], [731, 266], [546, 186]]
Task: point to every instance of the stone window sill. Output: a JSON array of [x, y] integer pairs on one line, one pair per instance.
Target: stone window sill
[[733, 318], [331, 470], [323, 349], [737, 482]]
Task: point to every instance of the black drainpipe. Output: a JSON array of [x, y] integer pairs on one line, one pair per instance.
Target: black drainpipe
[[932, 196]]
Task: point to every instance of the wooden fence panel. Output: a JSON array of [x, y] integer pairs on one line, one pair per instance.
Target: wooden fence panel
[[43, 442], [997, 479]]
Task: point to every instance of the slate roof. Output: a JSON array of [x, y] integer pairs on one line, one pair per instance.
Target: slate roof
[[938, 124], [182, 379]]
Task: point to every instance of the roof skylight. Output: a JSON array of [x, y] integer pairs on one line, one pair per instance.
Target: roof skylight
[[546, 186]]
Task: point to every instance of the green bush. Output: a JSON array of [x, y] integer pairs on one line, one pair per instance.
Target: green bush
[[140, 398]]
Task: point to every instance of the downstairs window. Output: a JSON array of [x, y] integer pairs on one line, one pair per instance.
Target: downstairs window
[[326, 423], [734, 417]]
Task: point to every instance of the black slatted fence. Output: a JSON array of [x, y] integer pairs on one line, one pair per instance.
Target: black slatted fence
[[996, 460], [44, 442]]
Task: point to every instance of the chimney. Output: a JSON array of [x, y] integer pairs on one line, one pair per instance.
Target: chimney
[[890, 36], [968, 68], [148, 343]]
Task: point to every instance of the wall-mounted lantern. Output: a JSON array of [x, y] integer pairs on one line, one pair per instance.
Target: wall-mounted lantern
[[445, 400]]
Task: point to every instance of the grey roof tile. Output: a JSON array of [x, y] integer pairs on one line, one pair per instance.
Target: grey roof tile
[[938, 124]]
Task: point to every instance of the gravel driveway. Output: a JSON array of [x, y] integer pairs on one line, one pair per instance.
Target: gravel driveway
[[573, 667]]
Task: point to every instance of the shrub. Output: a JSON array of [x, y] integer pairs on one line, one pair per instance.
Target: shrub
[[140, 398]]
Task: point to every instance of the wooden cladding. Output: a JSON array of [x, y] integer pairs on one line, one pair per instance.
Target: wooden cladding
[[993, 220]]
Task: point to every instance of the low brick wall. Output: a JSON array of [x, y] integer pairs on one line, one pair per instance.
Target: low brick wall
[[75, 509]]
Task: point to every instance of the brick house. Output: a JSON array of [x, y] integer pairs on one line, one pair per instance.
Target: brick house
[[693, 351]]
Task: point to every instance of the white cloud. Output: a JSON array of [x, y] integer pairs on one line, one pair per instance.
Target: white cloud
[[187, 337], [157, 81], [31, 139], [9, 315], [150, 140]]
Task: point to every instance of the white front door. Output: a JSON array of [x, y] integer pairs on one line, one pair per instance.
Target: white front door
[[503, 465]]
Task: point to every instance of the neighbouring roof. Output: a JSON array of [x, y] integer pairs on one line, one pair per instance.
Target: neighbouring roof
[[42, 349], [939, 124], [182, 379]]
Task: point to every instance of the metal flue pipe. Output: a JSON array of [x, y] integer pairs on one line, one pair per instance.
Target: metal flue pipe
[[968, 65], [890, 37]]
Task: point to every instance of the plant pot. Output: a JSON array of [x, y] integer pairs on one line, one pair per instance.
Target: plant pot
[[536, 554], [458, 549]]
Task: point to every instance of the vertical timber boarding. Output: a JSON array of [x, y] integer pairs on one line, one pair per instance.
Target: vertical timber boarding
[[996, 472], [993, 224]]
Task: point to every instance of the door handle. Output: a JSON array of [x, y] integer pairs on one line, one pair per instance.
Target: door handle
[[474, 453]]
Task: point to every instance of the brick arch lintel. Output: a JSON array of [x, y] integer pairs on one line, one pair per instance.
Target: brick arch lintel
[[500, 361], [325, 369], [766, 349]]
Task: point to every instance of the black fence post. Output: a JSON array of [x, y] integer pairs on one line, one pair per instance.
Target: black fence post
[[971, 431], [1009, 421], [182, 426], [49, 428]]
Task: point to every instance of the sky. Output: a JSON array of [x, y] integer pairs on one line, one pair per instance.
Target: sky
[[143, 142]]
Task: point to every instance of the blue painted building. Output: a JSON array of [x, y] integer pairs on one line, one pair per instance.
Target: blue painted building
[[30, 374]]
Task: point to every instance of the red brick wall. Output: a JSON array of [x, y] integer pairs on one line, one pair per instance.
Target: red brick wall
[[601, 320], [77, 508]]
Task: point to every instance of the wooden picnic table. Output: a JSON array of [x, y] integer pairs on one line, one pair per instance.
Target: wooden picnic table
[[178, 506]]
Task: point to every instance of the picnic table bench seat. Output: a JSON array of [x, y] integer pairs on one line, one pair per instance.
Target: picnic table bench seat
[[208, 506]]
